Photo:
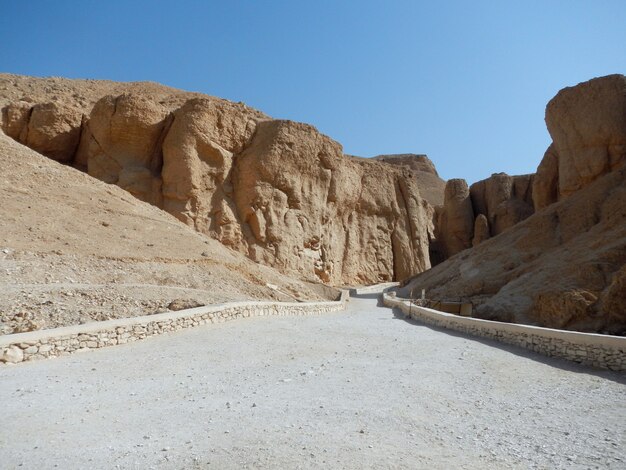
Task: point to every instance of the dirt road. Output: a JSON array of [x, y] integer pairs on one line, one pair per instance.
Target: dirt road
[[355, 389]]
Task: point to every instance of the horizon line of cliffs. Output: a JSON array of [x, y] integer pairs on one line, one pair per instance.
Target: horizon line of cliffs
[[284, 194]]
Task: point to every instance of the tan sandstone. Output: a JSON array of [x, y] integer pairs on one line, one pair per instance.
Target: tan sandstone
[[277, 191], [563, 266], [588, 128], [76, 250]]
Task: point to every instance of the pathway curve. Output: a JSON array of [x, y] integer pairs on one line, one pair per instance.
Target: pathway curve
[[354, 389]]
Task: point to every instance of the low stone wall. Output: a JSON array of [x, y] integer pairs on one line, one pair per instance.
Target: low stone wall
[[374, 288], [603, 351], [66, 340]]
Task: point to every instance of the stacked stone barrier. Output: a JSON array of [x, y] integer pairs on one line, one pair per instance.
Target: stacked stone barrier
[[62, 341], [374, 288], [602, 351]]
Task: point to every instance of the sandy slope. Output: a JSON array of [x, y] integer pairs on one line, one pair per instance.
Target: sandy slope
[[74, 249]]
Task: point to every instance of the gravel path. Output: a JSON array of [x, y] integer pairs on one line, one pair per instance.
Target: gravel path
[[356, 389]]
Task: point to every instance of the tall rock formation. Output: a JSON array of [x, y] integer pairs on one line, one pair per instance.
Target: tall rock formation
[[455, 219], [431, 186], [504, 200], [487, 208], [278, 191], [588, 129], [563, 266]]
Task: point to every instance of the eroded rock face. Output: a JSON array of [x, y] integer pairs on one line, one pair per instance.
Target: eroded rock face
[[613, 299], [563, 267], [303, 204], [121, 144], [51, 128], [504, 200], [455, 222], [278, 191], [198, 154], [471, 215], [15, 120], [481, 230], [546, 180], [587, 123], [431, 186]]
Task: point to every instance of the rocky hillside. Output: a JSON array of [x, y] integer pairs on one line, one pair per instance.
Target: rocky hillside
[[565, 265], [546, 248], [75, 250], [277, 191]]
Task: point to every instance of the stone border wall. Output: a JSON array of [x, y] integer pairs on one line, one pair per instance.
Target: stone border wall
[[42, 344], [603, 351], [374, 288]]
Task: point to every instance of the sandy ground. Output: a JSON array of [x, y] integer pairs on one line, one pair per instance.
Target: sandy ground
[[355, 389], [74, 249]]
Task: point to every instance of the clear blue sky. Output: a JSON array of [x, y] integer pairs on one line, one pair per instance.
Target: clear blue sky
[[465, 82]]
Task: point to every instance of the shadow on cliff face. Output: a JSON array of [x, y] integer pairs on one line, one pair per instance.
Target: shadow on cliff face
[[521, 352]]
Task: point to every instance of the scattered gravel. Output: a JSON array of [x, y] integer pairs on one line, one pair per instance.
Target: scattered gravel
[[356, 389], [49, 290]]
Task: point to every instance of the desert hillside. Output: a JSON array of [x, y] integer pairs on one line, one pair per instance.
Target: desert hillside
[[277, 191], [548, 248], [74, 250], [545, 248]]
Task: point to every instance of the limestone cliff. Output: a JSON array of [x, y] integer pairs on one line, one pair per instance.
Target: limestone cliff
[[587, 124], [470, 215], [278, 191], [563, 266], [588, 128]]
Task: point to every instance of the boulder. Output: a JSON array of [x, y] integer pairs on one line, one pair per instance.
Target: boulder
[[12, 355], [559, 307]]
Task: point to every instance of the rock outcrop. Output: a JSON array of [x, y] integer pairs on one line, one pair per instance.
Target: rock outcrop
[[546, 181], [587, 123], [481, 230], [564, 265], [51, 129], [455, 219], [431, 186], [504, 200], [588, 127], [74, 250], [487, 208], [278, 191], [302, 204]]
